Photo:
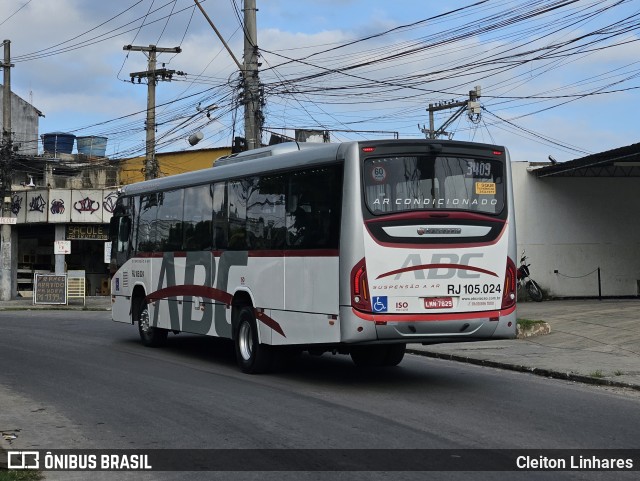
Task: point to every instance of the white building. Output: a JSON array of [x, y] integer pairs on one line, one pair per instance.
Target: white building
[[575, 217]]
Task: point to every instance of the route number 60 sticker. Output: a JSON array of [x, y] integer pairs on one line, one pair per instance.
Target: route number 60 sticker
[[379, 174]]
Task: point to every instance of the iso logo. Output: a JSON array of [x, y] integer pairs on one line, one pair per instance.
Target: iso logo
[[24, 460]]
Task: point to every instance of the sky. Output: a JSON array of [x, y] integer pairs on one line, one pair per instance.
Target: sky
[[557, 77]]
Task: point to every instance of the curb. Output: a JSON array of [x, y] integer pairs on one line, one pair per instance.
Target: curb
[[52, 308], [538, 328], [567, 376]]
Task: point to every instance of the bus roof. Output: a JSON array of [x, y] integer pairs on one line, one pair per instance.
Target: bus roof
[[242, 165], [281, 157]]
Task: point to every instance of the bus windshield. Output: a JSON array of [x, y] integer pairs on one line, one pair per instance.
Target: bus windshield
[[427, 182]]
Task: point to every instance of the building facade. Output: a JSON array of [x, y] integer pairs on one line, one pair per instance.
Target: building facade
[[67, 200], [24, 125]]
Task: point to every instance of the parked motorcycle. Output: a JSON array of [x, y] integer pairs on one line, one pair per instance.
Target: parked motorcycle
[[525, 281]]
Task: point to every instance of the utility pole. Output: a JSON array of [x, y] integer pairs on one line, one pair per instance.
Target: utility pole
[[152, 75], [6, 272], [253, 117], [472, 106], [252, 96]]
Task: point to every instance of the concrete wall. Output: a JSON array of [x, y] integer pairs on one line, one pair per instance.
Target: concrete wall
[[24, 125], [575, 225]]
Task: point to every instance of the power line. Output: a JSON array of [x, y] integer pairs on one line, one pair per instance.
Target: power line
[[10, 16]]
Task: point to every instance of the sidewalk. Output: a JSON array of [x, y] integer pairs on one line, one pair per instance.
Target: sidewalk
[[590, 341], [92, 303]]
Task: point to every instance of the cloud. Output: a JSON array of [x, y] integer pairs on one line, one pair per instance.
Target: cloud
[[88, 85]]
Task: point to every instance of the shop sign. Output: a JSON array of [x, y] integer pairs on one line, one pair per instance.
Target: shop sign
[[50, 289], [62, 247], [107, 252], [87, 232]]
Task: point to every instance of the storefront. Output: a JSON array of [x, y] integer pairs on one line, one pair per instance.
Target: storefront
[[79, 218]]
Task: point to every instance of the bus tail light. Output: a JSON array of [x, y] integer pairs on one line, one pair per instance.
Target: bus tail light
[[360, 287], [509, 291]]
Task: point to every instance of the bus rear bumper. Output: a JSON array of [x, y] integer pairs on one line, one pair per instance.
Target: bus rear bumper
[[431, 330]]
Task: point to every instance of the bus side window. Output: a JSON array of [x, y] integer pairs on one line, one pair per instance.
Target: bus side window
[[265, 213], [146, 220], [220, 216], [238, 198], [168, 225], [197, 217], [313, 208]]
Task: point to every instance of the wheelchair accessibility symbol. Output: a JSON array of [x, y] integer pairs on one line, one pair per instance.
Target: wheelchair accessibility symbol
[[379, 304]]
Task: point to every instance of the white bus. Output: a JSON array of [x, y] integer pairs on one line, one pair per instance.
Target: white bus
[[356, 248]]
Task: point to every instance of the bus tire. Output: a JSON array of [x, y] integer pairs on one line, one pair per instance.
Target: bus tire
[[149, 335], [386, 355], [395, 354], [369, 356], [285, 356], [252, 357]]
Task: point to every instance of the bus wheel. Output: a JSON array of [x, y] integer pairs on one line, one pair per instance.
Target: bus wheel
[[378, 356], [150, 336], [253, 357], [395, 354], [369, 356]]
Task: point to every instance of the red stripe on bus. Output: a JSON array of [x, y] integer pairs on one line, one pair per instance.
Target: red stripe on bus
[[255, 253], [191, 290], [437, 266], [459, 316], [449, 245], [424, 216], [269, 322], [209, 293], [145, 255]]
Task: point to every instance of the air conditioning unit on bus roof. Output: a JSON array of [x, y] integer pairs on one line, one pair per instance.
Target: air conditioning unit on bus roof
[[270, 151]]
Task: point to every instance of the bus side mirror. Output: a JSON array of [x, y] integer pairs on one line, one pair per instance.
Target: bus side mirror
[[124, 230], [114, 225], [119, 231]]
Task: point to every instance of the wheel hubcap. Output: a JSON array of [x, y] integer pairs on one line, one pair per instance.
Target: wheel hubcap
[[245, 341], [144, 320]]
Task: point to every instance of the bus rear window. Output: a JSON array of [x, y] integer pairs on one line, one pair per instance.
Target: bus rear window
[[430, 182]]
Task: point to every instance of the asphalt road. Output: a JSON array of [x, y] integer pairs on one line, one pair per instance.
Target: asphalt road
[[76, 380]]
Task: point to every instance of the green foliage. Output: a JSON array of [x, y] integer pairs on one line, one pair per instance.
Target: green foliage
[[26, 475], [528, 323]]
